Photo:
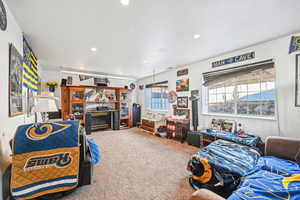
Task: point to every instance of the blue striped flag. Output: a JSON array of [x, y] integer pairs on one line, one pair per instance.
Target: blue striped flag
[[30, 67]]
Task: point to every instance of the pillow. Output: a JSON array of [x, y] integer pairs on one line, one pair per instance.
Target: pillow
[[297, 157]]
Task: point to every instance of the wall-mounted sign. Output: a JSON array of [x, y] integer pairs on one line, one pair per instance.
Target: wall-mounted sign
[[172, 96], [295, 44], [235, 59], [182, 72]]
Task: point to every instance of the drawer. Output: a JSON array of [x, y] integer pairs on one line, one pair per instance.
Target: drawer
[[147, 128], [148, 123]]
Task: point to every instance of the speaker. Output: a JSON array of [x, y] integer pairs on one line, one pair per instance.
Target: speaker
[[63, 82], [115, 120], [194, 98], [195, 114], [136, 112], [88, 123], [193, 138]]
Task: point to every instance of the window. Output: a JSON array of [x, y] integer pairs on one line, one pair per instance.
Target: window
[[157, 98], [250, 93]]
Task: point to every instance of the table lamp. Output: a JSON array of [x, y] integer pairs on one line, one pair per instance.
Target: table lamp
[[44, 104]]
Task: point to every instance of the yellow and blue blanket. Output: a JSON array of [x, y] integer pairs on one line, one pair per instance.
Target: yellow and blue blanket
[[273, 178], [45, 159]]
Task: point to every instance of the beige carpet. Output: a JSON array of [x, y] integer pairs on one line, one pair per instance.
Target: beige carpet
[[138, 166]]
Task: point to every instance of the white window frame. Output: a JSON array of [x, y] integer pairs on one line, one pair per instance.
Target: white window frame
[[148, 103], [205, 104]]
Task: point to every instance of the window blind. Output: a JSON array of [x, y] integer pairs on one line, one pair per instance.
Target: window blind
[[158, 84], [217, 76]]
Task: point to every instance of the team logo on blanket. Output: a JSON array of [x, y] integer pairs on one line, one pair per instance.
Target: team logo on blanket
[[36, 132], [59, 160]]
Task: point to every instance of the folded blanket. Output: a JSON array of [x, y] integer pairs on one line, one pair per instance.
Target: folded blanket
[[45, 159]]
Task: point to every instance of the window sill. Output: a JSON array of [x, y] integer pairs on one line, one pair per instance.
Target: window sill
[[241, 116]]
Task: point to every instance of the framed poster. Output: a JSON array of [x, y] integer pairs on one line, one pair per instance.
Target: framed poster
[[297, 94], [182, 102], [15, 82], [182, 85]]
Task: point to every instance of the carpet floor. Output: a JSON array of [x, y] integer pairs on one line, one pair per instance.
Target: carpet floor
[[136, 165]]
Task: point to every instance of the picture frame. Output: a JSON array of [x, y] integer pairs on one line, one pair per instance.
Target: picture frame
[[182, 85], [229, 126], [15, 85], [183, 102], [297, 88]]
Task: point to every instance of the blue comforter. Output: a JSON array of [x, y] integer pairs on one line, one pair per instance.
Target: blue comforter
[[230, 156], [273, 178]]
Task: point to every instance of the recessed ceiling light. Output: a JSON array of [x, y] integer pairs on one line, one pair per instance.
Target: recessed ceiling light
[[146, 61], [93, 49], [124, 2], [196, 36]]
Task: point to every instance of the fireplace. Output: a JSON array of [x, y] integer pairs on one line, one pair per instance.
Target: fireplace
[[100, 120]]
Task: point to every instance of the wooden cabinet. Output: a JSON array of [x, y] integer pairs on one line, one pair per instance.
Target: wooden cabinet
[[152, 126], [77, 103], [74, 101], [177, 129], [65, 102], [125, 108]]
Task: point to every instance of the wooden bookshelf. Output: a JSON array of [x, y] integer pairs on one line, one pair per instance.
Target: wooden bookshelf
[[73, 101]]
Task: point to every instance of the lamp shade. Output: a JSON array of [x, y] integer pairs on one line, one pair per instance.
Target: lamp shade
[[45, 104]]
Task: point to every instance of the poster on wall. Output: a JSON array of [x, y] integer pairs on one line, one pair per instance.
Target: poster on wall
[[182, 85], [295, 44], [297, 80], [182, 102], [15, 82]]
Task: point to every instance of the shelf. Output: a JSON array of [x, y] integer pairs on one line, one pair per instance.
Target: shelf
[[119, 101], [102, 102], [77, 101], [96, 111]]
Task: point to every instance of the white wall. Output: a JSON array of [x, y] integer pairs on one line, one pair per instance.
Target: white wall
[[13, 34], [289, 115]]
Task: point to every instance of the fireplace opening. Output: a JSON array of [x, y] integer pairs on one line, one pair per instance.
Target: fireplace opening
[[100, 120]]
